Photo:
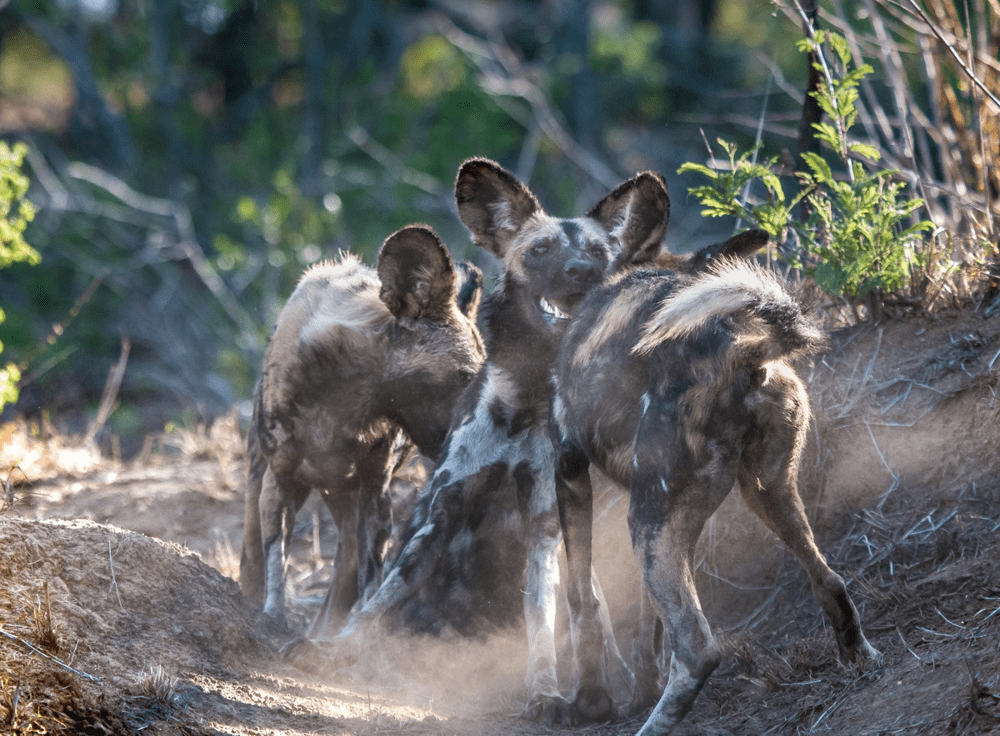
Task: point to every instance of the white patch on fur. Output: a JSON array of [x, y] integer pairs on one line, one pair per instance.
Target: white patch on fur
[[540, 620], [503, 216], [729, 288], [559, 411], [480, 442], [348, 299], [274, 575], [541, 579], [621, 224]]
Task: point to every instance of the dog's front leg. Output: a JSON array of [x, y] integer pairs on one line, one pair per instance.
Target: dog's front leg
[[541, 578], [591, 700]]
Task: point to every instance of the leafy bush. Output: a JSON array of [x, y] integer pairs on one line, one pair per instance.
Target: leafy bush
[[15, 214], [854, 231]]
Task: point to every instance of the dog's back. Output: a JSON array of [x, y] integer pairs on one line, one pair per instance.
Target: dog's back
[[715, 330], [332, 330]]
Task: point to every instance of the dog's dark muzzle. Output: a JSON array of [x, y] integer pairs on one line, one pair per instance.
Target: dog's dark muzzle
[[581, 272]]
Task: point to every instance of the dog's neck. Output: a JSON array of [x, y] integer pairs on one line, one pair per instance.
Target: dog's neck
[[520, 340]]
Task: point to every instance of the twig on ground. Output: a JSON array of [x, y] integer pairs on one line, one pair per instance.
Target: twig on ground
[[114, 582], [35, 650], [910, 649]]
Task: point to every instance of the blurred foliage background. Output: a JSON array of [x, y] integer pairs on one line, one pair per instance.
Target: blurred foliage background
[[189, 158]]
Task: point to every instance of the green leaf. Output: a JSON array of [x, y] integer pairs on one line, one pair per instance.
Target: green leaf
[[821, 169], [9, 377], [840, 46], [698, 169]]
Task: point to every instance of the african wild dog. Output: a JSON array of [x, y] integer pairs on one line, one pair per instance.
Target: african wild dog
[[499, 439], [360, 364], [678, 388]]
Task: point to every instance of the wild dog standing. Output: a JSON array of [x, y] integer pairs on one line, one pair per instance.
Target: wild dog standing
[[360, 363], [677, 389], [499, 438]]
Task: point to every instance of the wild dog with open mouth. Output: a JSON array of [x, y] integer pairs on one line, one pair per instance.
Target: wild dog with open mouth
[[679, 388], [361, 365], [499, 439]]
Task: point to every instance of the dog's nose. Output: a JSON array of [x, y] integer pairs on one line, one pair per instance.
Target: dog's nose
[[580, 270]]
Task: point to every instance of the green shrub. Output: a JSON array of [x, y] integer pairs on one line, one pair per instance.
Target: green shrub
[[15, 214], [854, 230]]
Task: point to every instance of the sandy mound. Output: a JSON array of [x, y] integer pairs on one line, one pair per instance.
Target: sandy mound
[[111, 611]]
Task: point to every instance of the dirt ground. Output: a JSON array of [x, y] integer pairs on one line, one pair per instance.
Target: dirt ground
[[120, 613]]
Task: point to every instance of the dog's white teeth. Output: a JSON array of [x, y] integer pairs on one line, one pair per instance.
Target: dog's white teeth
[[553, 310]]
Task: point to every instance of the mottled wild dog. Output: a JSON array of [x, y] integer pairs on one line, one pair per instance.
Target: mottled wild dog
[[499, 439], [679, 388], [361, 363]]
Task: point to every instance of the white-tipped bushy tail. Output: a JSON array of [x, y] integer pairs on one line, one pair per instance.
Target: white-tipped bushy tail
[[732, 287]]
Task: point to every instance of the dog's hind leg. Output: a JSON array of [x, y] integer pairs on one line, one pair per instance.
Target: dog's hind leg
[[252, 576], [767, 479], [679, 479], [374, 473], [343, 591], [280, 499], [664, 547]]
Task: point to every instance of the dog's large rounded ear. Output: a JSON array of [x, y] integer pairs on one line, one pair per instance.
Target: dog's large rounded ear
[[492, 203], [636, 213], [417, 274], [470, 288], [740, 246]]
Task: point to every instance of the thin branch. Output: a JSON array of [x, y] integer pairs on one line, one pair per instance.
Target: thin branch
[[109, 397], [35, 650], [503, 76], [114, 581], [920, 13], [188, 243]]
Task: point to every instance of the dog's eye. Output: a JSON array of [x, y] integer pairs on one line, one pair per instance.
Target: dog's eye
[[540, 250], [596, 251]]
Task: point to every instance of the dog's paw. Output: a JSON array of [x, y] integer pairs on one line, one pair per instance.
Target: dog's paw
[[304, 654], [862, 655], [550, 710], [318, 656], [593, 704]]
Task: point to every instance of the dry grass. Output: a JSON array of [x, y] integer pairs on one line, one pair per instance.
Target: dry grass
[[979, 710], [45, 635], [28, 709], [154, 683]]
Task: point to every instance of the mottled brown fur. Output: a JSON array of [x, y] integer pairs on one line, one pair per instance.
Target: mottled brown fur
[[361, 365], [693, 394]]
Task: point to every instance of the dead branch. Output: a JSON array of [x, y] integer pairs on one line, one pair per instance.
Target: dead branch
[[187, 243], [504, 76], [45, 655], [109, 398]]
